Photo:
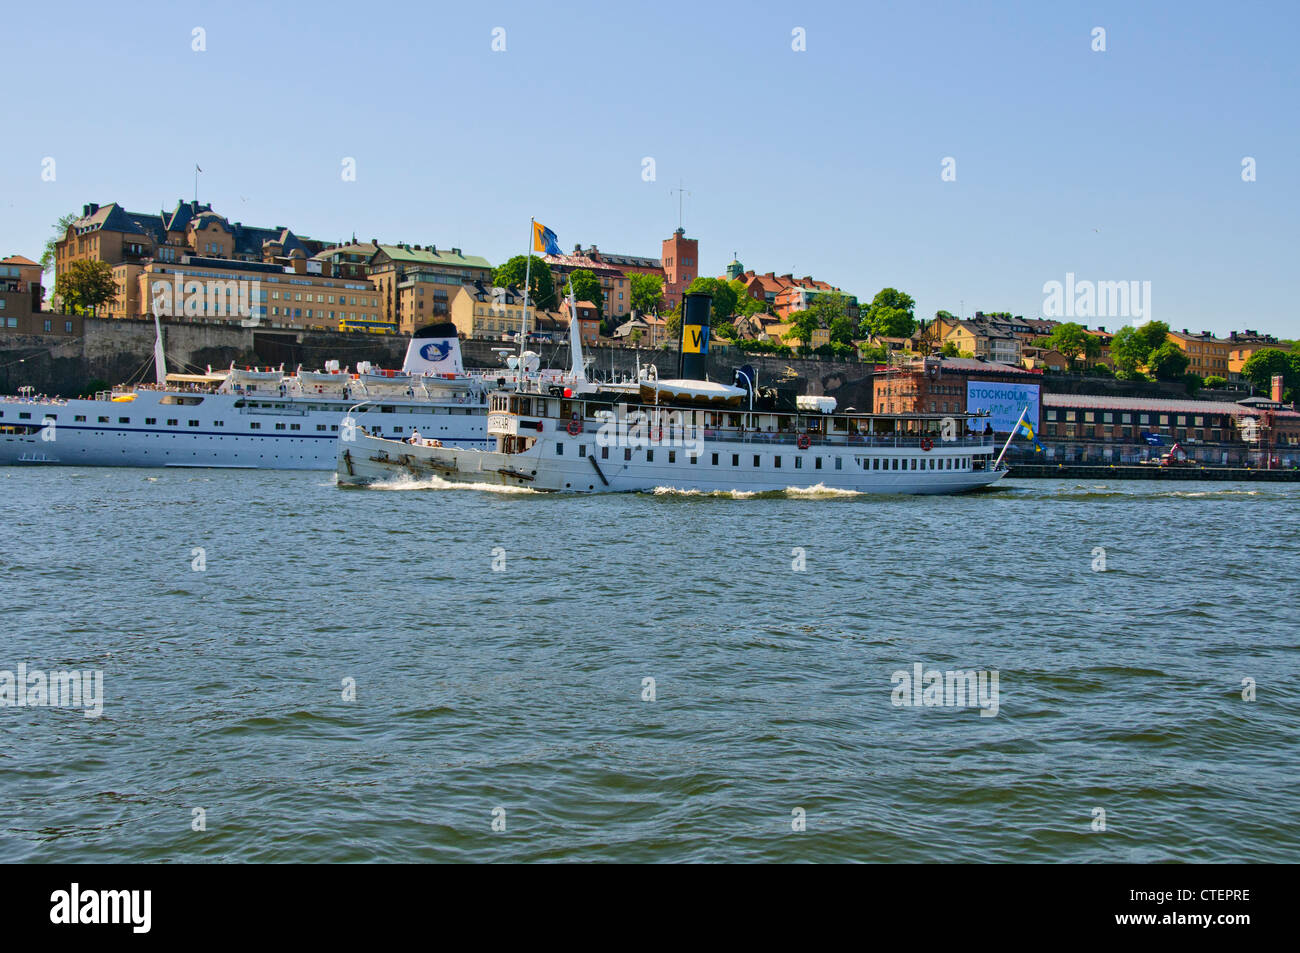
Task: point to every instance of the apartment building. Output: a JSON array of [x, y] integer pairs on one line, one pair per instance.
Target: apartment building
[[417, 284]]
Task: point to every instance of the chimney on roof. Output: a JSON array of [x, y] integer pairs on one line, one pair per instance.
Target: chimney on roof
[[455, 251], [1277, 388], [1185, 331]]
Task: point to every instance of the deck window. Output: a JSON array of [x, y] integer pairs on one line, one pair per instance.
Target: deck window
[[672, 456], [559, 449], [756, 460]]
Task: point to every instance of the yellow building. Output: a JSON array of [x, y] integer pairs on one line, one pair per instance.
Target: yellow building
[[1207, 355], [1242, 346], [417, 285], [302, 295], [481, 311]]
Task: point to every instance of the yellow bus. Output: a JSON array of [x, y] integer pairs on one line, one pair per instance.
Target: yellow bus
[[374, 327]]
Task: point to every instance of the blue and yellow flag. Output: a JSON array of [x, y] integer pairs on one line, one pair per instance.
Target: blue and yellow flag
[[1027, 429], [544, 240]]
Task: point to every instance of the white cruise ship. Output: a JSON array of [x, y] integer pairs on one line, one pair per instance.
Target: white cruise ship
[[689, 434], [254, 418]]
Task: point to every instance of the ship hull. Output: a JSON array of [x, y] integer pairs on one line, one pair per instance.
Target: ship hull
[[368, 460], [223, 431]]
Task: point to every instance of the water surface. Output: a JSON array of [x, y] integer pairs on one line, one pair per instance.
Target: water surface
[[522, 689]]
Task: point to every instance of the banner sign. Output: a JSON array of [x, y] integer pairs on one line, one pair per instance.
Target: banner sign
[[1003, 401]]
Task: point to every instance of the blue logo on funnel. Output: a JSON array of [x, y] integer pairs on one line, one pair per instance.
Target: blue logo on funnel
[[436, 351]]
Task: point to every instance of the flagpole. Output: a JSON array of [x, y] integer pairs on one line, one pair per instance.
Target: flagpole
[[1007, 445], [528, 274]]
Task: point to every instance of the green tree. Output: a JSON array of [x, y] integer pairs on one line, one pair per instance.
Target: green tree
[[541, 290], [843, 330], [1264, 363], [891, 314], [1214, 381], [950, 349], [634, 336], [48, 256], [1073, 341], [1131, 348], [724, 296], [803, 324], [673, 324], [647, 292], [745, 305], [945, 316], [726, 330], [86, 285], [586, 287], [1168, 362], [830, 307]]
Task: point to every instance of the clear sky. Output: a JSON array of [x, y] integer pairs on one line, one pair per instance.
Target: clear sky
[[1117, 165]]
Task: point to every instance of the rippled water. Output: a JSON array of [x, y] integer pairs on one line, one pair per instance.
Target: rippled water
[[523, 689]]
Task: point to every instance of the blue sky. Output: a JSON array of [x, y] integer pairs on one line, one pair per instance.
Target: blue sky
[[1115, 165]]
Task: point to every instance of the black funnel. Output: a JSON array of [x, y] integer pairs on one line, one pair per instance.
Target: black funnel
[[693, 365]]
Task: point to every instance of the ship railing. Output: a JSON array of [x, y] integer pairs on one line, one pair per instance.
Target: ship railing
[[652, 434]]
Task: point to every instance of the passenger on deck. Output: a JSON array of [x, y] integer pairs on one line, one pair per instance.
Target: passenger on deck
[[415, 437]]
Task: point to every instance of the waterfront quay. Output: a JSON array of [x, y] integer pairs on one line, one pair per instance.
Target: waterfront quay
[[1060, 471]]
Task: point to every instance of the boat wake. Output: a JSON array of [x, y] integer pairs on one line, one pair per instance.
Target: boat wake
[[437, 483], [818, 492]]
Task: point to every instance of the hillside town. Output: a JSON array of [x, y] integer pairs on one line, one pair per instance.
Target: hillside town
[[1117, 394]]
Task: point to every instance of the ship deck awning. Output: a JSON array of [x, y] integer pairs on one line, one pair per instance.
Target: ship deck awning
[[195, 378]]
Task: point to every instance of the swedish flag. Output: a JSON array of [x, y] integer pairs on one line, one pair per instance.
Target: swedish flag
[[544, 240], [1027, 430]]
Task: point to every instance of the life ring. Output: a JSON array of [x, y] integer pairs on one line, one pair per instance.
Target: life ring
[[803, 441], [574, 427], [927, 444]]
